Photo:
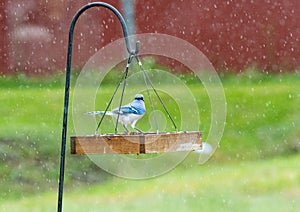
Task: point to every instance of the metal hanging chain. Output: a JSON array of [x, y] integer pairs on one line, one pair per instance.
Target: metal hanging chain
[[122, 94], [152, 86], [148, 92], [111, 99], [124, 77], [146, 78]]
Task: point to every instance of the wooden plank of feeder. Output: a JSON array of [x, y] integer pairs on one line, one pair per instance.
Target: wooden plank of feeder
[[172, 142], [104, 144], [136, 143]]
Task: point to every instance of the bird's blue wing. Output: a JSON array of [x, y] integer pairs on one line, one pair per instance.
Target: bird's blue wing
[[125, 110]]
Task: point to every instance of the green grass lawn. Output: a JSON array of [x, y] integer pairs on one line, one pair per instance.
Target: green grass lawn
[[256, 167], [259, 185]]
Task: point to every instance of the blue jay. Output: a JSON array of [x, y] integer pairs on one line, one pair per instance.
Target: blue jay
[[128, 114]]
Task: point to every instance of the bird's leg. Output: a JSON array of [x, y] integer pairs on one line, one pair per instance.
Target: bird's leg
[[126, 130]]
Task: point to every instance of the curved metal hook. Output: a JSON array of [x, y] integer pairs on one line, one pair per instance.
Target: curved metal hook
[[67, 85]]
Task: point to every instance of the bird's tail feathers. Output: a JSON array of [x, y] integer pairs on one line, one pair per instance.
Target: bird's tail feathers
[[99, 112]]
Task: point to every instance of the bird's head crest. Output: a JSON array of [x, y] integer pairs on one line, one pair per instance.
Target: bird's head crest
[[139, 97]]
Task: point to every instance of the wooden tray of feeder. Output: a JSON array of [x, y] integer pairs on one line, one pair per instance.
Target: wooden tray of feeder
[[136, 143]]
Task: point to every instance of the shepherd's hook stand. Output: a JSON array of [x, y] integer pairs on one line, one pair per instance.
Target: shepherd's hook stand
[[67, 85]]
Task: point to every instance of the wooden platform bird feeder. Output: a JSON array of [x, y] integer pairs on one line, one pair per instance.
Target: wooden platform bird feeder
[[136, 144]]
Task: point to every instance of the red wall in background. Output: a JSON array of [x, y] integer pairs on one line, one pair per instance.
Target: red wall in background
[[233, 34], [37, 34]]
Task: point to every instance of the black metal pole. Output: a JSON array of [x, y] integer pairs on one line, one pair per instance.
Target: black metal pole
[[67, 85]]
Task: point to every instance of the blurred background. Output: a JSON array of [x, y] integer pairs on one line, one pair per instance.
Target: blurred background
[[233, 34], [253, 45]]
